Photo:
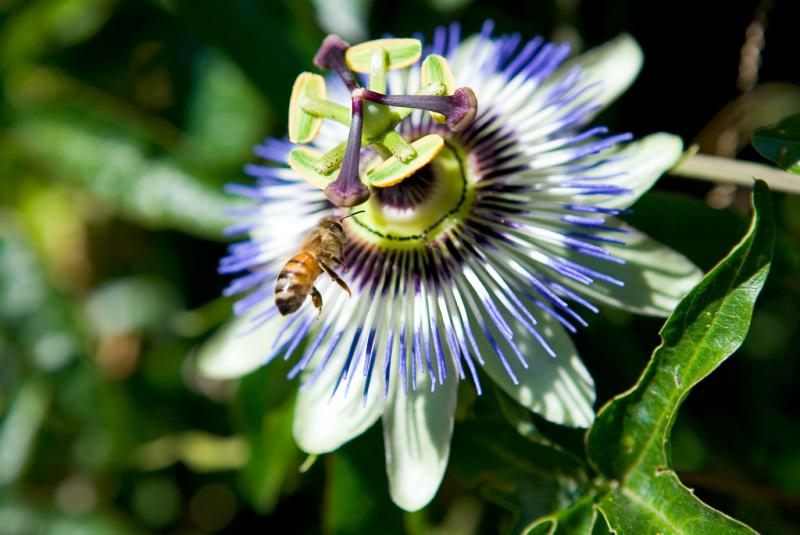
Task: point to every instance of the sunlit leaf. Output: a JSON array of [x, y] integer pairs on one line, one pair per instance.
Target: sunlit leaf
[[201, 451], [34, 30], [627, 441], [40, 322], [226, 115], [19, 427], [18, 516], [23, 287], [131, 304], [154, 191]]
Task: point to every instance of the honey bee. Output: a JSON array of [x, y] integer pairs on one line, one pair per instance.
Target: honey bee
[[322, 247]]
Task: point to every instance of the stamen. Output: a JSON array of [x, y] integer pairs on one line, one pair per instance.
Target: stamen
[[460, 107], [326, 109], [331, 160], [398, 146], [331, 56], [348, 190]]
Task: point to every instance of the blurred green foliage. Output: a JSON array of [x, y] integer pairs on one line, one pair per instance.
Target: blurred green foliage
[[119, 122]]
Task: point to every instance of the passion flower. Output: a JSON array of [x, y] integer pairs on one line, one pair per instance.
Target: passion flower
[[481, 231]]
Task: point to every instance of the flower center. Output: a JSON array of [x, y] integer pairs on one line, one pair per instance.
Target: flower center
[[372, 121], [420, 208]]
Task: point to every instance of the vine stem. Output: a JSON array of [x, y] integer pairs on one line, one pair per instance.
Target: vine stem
[[726, 170]]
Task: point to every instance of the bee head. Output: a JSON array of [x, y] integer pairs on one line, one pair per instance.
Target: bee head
[[332, 223]]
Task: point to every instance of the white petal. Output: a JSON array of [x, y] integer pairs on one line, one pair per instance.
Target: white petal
[[558, 388], [417, 429], [614, 64], [237, 348], [640, 163], [655, 276], [323, 421], [635, 167]]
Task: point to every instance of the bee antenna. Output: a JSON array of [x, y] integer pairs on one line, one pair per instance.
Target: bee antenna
[[351, 215]]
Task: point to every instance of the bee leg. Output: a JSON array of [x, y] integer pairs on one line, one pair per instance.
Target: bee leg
[[316, 300], [336, 279], [341, 263]]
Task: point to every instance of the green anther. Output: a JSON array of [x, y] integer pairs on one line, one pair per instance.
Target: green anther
[[392, 171], [392, 158], [302, 161], [433, 88], [378, 65], [436, 69], [402, 53], [325, 109], [398, 146], [331, 160], [303, 126]]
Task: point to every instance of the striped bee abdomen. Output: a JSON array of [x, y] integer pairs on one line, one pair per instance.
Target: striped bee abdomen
[[295, 282]]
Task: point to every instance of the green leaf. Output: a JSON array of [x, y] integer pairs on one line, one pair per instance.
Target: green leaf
[[116, 168], [627, 442], [19, 515], [526, 478], [780, 143], [274, 458], [130, 304], [200, 451], [20, 426], [355, 501], [34, 30], [402, 53], [226, 115], [579, 519], [271, 41], [23, 283], [265, 411]]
